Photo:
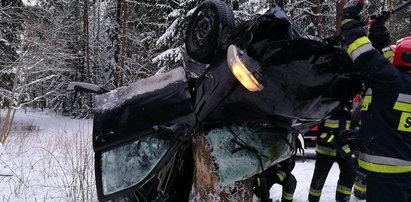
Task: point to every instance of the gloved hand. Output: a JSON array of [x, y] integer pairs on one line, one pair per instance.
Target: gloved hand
[[349, 137], [380, 19], [379, 34], [352, 11]]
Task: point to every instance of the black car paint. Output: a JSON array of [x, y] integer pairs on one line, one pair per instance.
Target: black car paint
[[298, 76]]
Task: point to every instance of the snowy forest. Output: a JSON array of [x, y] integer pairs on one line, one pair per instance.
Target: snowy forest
[[45, 44]]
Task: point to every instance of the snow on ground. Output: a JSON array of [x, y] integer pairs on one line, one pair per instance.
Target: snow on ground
[[303, 172], [49, 158]]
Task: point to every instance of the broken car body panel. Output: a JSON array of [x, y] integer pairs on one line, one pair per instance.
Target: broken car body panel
[[141, 131]]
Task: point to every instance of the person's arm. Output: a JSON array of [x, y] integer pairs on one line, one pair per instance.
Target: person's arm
[[377, 70], [379, 34]]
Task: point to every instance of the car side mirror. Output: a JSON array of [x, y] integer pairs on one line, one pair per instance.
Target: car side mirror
[[85, 87]]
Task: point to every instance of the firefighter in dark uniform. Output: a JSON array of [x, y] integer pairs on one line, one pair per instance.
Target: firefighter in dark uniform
[[330, 149], [380, 39], [277, 174], [360, 186], [385, 131]]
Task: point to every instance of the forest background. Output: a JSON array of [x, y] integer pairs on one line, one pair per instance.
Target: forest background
[[45, 44]]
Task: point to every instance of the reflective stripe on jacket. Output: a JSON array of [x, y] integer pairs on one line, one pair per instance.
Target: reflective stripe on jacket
[[385, 132], [382, 164]]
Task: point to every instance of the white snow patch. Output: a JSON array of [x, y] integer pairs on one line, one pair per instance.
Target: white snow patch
[[175, 13], [47, 158], [169, 33], [173, 53]]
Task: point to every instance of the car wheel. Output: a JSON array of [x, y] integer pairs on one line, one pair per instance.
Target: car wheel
[[209, 22]]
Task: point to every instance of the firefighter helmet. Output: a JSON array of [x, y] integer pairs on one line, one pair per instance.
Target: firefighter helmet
[[402, 52]]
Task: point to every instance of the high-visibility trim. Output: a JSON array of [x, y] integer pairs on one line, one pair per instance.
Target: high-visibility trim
[[258, 182], [288, 196], [365, 103], [281, 175], [326, 151], [405, 122], [360, 188], [368, 92], [346, 148], [381, 164], [344, 190], [330, 139], [347, 125], [314, 192], [358, 47], [323, 135], [367, 100], [357, 43], [345, 21], [331, 123], [384, 160], [405, 107], [389, 54], [386, 49], [403, 103]]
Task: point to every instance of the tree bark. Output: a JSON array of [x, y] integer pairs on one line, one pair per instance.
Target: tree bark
[[87, 41], [123, 38], [122, 42], [318, 18], [338, 15], [8, 121], [205, 183]]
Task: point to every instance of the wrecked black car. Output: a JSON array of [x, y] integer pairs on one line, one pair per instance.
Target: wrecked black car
[[257, 84]]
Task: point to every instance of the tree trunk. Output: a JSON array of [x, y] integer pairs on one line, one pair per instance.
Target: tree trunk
[[8, 121], [123, 6], [87, 41], [338, 15], [117, 44], [97, 61], [205, 183], [318, 18]]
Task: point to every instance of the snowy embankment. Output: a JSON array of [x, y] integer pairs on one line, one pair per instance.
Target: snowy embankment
[[47, 158], [50, 158]]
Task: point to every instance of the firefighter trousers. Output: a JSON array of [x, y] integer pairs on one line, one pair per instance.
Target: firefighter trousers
[[323, 166], [360, 184], [381, 189], [287, 180]]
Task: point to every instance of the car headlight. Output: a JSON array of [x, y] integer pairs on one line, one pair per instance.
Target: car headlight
[[246, 75]]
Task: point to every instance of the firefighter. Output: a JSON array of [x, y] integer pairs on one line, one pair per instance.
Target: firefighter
[[385, 131], [360, 186], [330, 149], [277, 174]]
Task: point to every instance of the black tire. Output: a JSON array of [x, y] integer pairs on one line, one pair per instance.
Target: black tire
[[209, 22]]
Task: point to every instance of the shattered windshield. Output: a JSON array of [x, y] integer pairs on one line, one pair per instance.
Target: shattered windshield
[[126, 166]]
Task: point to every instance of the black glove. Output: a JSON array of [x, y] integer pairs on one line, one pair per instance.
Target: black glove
[[352, 11], [379, 34], [380, 19], [349, 137]]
